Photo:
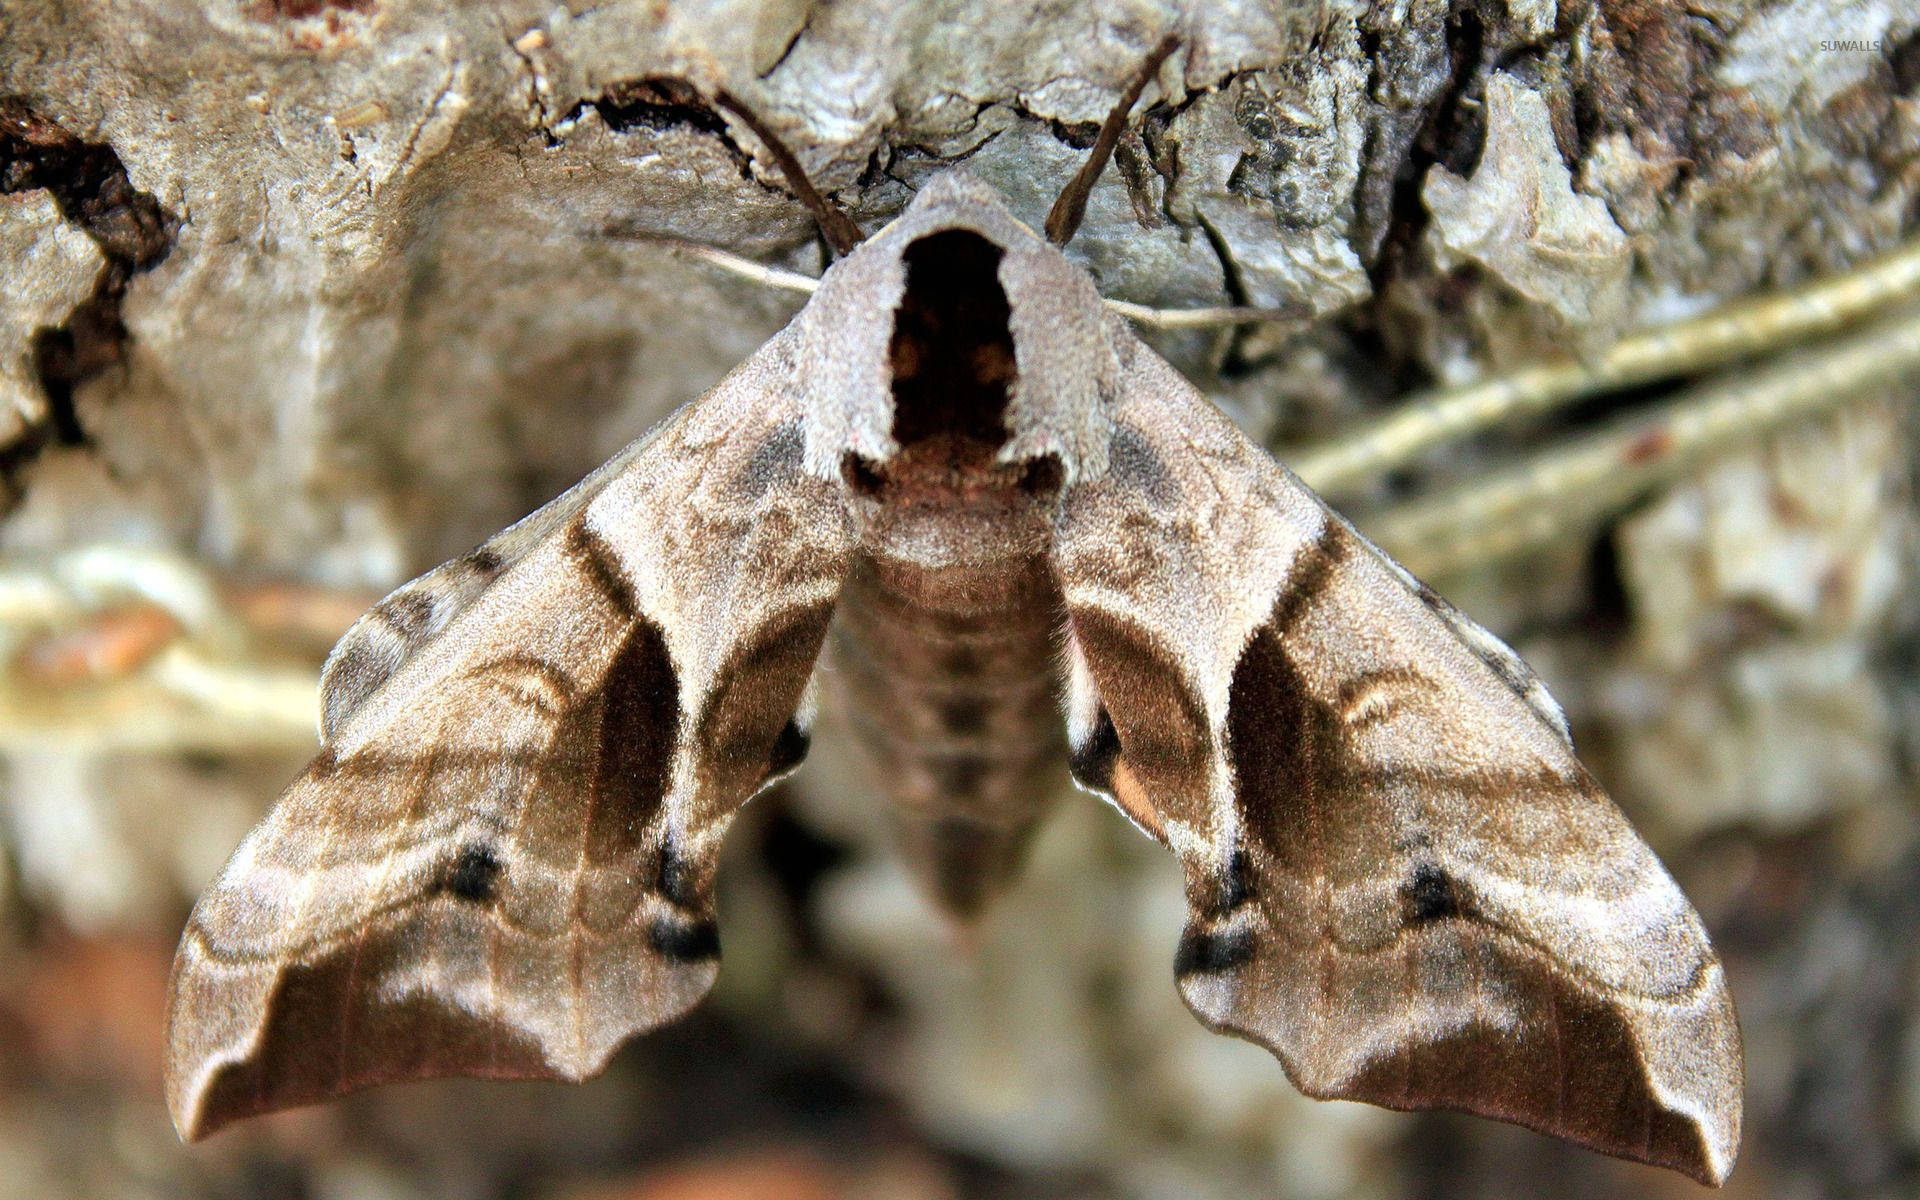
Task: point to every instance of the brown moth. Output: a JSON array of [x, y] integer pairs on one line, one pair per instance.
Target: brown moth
[[984, 500]]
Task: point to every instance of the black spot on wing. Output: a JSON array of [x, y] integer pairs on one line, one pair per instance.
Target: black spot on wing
[[484, 562], [601, 566], [676, 880], [1203, 952], [1232, 888], [1092, 762], [473, 875], [1429, 895], [683, 941]]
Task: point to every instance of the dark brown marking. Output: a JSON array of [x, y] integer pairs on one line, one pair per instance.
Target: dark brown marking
[[399, 1038], [639, 728], [1429, 896], [1311, 572], [676, 880], [775, 459], [324, 765], [1286, 747], [1161, 725], [485, 562], [963, 715], [602, 566], [952, 350], [1208, 953], [473, 875], [1231, 889], [758, 690], [861, 475], [961, 661], [681, 941], [966, 860], [408, 613], [1092, 762], [959, 775], [1042, 476], [1592, 1054], [789, 749], [1135, 465]]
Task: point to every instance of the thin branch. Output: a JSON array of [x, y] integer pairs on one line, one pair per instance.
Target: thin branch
[[1206, 318], [745, 268], [1575, 486], [1744, 328]]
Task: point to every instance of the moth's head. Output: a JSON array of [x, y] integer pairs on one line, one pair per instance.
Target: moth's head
[[957, 322]]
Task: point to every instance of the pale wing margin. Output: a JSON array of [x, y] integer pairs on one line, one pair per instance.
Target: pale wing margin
[[1401, 880]]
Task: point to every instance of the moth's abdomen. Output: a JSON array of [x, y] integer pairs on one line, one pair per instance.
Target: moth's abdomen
[[947, 677]]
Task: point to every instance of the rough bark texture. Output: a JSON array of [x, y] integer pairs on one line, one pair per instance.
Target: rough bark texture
[[327, 290]]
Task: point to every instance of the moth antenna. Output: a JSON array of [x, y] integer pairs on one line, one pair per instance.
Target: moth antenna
[[836, 226], [1063, 219]]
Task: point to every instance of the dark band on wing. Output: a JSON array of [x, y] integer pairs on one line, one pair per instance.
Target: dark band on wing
[[1163, 729], [601, 566], [1206, 952], [681, 941], [1308, 576], [639, 729], [756, 692]]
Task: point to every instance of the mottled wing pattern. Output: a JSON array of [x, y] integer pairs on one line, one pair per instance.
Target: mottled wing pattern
[[1400, 879], [501, 862]]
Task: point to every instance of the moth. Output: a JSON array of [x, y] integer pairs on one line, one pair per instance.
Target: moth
[[962, 490]]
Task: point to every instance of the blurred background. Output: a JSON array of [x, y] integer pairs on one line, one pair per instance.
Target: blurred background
[[302, 297]]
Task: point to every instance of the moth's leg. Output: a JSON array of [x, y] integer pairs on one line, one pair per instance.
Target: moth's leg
[[1573, 486], [1063, 219], [835, 225], [1738, 330]]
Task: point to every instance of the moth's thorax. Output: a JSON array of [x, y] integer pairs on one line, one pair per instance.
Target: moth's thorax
[[954, 300], [954, 439]]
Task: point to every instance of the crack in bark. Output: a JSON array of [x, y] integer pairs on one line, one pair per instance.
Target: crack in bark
[[90, 187]]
